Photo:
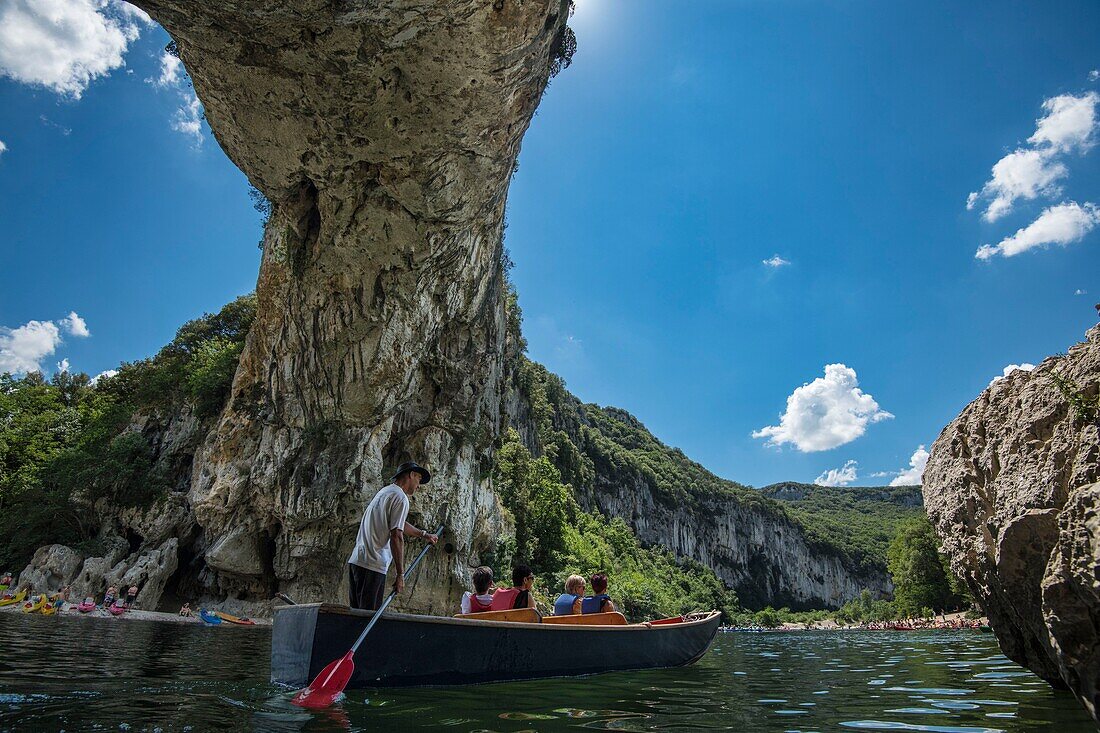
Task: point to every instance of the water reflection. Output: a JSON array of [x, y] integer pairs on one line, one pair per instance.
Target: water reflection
[[70, 674]]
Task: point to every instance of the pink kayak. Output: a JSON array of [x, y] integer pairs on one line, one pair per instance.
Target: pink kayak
[[117, 609], [84, 606]]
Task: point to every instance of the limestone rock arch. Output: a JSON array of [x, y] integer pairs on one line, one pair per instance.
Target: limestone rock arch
[[384, 133]]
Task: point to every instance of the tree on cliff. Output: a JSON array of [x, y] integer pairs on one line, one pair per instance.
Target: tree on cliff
[[917, 569]]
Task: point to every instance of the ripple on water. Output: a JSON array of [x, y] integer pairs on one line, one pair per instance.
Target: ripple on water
[[205, 680]]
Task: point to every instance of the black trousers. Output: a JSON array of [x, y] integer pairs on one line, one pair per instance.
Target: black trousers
[[365, 587]]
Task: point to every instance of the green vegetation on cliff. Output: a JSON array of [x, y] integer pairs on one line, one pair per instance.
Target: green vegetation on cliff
[[858, 521], [68, 447], [557, 538]]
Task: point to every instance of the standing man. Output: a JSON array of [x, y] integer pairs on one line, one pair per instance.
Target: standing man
[[381, 538]]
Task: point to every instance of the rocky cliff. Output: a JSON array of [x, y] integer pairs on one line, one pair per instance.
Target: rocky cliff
[[1012, 488], [620, 469], [384, 135]]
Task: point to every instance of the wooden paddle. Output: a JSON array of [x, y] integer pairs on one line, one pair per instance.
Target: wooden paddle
[[334, 678]]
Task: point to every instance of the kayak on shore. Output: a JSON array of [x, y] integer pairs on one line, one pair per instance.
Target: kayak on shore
[[35, 604], [209, 617], [240, 620], [11, 600], [408, 650]]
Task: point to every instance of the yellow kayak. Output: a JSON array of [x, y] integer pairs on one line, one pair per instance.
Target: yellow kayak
[[234, 619], [35, 604], [17, 598], [51, 608]]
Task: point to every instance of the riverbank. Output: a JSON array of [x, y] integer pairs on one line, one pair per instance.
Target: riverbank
[[135, 614], [947, 622]]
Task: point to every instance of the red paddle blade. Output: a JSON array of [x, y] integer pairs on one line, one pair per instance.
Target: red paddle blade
[[328, 685]]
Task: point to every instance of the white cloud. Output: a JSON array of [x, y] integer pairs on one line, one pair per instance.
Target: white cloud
[[1027, 173], [102, 375], [22, 349], [1069, 124], [1094, 75], [75, 325], [776, 261], [1024, 174], [912, 475], [1062, 224], [1025, 367], [838, 476], [189, 118], [3, 147], [1079, 291], [828, 412], [170, 71], [65, 44]]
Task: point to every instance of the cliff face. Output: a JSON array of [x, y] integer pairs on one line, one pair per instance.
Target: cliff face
[[1011, 486], [384, 135], [618, 468], [761, 554]]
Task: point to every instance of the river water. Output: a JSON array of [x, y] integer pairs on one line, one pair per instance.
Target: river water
[[78, 674]]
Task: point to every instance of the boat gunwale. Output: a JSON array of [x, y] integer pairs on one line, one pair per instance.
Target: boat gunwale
[[334, 609]]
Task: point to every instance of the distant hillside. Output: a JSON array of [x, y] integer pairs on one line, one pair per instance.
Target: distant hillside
[[859, 520], [612, 464]]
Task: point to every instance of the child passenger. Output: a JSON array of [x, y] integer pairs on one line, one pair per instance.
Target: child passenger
[[482, 597], [569, 602], [598, 602]]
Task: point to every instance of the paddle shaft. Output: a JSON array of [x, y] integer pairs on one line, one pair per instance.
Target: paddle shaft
[[378, 613]]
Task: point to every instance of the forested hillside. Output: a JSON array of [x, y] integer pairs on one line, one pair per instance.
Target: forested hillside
[[859, 521]]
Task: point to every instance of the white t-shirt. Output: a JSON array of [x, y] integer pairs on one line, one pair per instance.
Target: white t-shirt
[[386, 511], [465, 604]]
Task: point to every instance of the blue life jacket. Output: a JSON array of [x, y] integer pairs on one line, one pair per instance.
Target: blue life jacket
[[594, 604], [564, 605]]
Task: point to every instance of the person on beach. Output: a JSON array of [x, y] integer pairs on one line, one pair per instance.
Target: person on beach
[[381, 538], [131, 595], [519, 595], [110, 596], [482, 597], [598, 602], [186, 612], [569, 602]]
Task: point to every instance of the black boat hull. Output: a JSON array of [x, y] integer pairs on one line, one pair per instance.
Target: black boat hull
[[406, 650]]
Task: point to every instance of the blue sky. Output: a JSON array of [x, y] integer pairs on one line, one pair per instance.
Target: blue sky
[[688, 143]]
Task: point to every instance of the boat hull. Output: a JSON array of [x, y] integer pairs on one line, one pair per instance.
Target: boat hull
[[406, 650]]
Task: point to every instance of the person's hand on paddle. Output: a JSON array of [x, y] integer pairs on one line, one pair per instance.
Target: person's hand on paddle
[[432, 538], [399, 584]]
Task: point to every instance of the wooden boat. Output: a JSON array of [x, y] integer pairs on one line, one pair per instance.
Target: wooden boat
[[11, 600], [239, 620], [407, 650]]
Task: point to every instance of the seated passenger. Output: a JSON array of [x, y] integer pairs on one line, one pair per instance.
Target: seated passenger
[[482, 597], [569, 602], [598, 602], [519, 595]]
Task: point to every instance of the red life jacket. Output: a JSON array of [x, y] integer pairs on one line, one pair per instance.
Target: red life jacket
[[506, 598], [477, 605]]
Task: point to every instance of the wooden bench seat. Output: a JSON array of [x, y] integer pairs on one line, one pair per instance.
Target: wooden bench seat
[[611, 618], [521, 615]]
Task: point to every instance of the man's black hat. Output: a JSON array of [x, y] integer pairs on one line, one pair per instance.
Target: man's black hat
[[425, 477]]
